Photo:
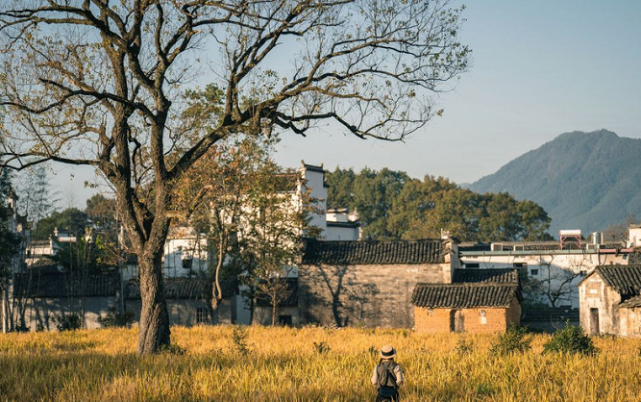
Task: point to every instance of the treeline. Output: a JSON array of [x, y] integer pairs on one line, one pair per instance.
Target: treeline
[[392, 205]]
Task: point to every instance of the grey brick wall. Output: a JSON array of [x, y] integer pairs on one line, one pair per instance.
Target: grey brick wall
[[363, 295]]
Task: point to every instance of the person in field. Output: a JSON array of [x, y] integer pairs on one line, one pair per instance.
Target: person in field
[[387, 376]]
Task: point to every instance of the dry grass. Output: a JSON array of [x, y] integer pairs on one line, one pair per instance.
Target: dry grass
[[291, 365]]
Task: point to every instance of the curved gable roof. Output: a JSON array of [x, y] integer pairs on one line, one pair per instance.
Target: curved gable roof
[[465, 295], [624, 279], [374, 252]]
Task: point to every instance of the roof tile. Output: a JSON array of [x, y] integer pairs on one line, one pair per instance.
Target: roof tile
[[374, 252], [464, 295]]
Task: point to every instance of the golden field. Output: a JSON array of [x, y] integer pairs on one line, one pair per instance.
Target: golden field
[[307, 364]]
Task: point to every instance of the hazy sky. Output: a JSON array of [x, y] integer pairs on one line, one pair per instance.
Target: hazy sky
[[540, 68]]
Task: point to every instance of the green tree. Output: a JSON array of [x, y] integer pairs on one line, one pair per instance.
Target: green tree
[[393, 205], [9, 246], [73, 220], [99, 83]]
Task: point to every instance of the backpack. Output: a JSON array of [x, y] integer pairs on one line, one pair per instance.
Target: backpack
[[387, 386]]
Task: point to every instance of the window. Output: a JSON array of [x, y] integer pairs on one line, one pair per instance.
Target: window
[[187, 262], [201, 315], [285, 320], [519, 265], [472, 265], [483, 317], [534, 272]]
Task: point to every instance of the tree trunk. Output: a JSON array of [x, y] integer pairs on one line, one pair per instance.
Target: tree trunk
[[154, 318]]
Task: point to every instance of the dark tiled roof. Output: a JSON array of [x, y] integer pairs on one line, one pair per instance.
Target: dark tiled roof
[[473, 247], [635, 257], [624, 279], [288, 294], [634, 302], [185, 288], [464, 295], [494, 275], [371, 253], [47, 284], [353, 224]]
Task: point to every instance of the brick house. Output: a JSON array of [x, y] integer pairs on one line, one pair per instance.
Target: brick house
[[477, 301], [188, 301], [610, 301], [43, 295], [347, 283]]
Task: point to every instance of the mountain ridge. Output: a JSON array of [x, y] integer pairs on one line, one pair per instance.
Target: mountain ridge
[[585, 181]]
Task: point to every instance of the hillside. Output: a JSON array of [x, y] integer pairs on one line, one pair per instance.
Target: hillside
[[585, 181]]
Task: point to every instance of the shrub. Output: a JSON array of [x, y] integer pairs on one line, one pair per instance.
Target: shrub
[[463, 347], [113, 319], [69, 322], [514, 340], [321, 347], [239, 337], [570, 340]]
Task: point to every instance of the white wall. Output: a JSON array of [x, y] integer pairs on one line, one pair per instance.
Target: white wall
[[557, 271]]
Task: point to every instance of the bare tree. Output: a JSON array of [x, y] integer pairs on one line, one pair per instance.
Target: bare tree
[[97, 83], [557, 284]]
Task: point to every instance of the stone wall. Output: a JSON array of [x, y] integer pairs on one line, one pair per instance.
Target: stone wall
[[630, 322], [364, 295], [594, 294]]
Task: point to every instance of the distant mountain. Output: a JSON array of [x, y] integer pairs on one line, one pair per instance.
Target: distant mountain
[[585, 181]]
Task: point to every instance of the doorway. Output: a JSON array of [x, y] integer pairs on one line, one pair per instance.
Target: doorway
[[594, 322]]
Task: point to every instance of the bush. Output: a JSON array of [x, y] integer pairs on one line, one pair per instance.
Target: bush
[[321, 347], [514, 340], [463, 347], [240, 340], [69, 322], [570, 340], [113, 319]]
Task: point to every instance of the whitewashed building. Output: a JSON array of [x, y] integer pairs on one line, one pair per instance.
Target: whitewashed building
[[551, 270]]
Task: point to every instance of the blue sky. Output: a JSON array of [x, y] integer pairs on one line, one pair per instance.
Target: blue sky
[[540, 68]]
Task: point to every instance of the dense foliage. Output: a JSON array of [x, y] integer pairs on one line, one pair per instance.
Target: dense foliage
[[392, 205], [571, 340], [585, 181]]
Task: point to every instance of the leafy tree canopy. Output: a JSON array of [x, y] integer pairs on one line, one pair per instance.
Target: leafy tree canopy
[[392, 205]]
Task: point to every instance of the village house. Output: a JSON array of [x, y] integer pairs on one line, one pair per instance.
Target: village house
[[43, 296], [610, 299], [350, 283], [477, 301], [551, 270]]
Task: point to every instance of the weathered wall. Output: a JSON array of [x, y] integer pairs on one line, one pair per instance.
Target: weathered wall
[[184, 312], [44, 314], [368, 295], [263, 315], [630, 322], [475, 321], [595, 294]]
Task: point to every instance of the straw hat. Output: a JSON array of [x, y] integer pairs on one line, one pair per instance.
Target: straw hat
[[388, 352]]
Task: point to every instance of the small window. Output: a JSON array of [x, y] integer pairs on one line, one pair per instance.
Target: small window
[[472, 265], [483, 317], [187, 263], [534, 272], [201, 315], [519, 265], [285, 320]]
